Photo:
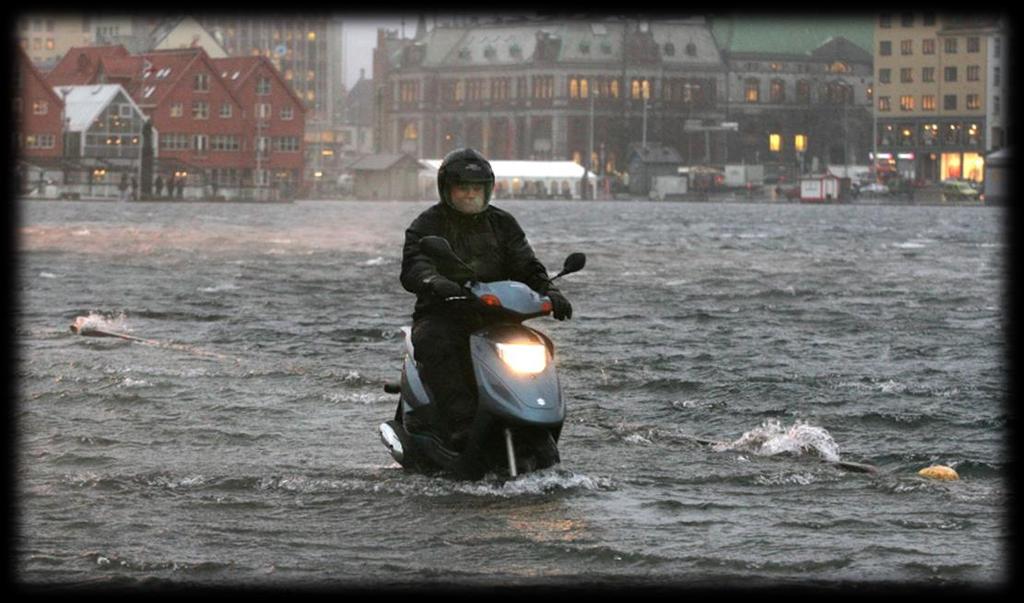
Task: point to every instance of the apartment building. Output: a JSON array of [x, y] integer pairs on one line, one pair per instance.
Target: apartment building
[[45, 38], [940, 94]]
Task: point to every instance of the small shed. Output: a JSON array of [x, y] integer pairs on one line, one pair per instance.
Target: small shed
[[824, 188], [647, 163], [997, 177], [390, 176]]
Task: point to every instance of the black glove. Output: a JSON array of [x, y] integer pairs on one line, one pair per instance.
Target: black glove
[[445, 288], [560, 307]]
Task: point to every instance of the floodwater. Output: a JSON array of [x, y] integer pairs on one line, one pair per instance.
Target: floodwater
[[237, 445]]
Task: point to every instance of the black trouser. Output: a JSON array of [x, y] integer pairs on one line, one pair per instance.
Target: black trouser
[[441, 347]]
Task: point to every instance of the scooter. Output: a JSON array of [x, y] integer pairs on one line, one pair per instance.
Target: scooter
[[520, 409]]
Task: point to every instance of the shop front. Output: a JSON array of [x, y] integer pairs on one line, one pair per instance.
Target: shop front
[[932, 150]]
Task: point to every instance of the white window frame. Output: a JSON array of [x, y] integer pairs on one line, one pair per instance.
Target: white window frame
[[263, 85], [201, 82]]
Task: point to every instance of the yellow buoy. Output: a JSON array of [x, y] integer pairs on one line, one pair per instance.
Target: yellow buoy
[[939, 472]]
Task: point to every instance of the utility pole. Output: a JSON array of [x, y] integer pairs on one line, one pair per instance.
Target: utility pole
[[643, 138], [590, 150]]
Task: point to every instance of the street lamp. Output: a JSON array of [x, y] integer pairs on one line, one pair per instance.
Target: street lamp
[[645, 93], [590, 148]]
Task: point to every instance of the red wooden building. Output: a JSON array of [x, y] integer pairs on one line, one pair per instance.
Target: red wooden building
[[231, 128], [276, 119], [38, 114]]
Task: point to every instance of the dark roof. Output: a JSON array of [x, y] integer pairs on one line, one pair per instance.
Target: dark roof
[[360, 103], [381, 162]]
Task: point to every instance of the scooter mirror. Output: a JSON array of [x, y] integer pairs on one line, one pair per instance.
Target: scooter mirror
[[574, 263], [436, 247]]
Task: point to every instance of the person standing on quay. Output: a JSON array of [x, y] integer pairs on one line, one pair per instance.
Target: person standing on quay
[[122, 187]]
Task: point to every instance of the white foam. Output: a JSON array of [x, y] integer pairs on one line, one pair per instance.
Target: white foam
[[105, 323], [771, 438]]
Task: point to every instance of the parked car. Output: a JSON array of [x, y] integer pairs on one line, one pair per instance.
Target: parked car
[[958, 190], [874, 189], [787, 191]]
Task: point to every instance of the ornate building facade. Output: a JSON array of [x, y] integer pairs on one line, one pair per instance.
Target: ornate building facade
[[536, 89], [586, 90]]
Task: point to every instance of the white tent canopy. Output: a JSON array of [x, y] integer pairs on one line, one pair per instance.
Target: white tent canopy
[[525, 179]]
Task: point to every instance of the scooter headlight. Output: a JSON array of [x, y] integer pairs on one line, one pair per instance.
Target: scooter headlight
[[528, 358]]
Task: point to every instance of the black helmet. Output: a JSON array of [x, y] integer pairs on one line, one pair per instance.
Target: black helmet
[[464, 165]]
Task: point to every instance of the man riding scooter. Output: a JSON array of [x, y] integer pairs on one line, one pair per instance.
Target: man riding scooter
[[491, 242]]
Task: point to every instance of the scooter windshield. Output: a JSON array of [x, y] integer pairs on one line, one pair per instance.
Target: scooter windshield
[[512, 297]]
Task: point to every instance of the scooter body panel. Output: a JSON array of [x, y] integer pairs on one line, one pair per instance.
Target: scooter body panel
[[520, 399]]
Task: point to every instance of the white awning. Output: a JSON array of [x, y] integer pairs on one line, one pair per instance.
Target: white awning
[[529, 170]]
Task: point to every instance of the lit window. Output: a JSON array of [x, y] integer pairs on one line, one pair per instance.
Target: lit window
[[800, 142], [775, 142], [752, 91]]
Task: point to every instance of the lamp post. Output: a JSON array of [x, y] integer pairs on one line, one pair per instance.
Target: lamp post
[[643, 139], [590, 150]]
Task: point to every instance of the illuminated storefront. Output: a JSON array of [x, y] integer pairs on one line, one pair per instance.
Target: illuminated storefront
[[932, 150], [962, 166]]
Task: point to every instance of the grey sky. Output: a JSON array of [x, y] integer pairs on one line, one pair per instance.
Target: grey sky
[[361, 37]]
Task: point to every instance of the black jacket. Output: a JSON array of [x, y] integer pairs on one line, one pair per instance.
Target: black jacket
[[491, 242]]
